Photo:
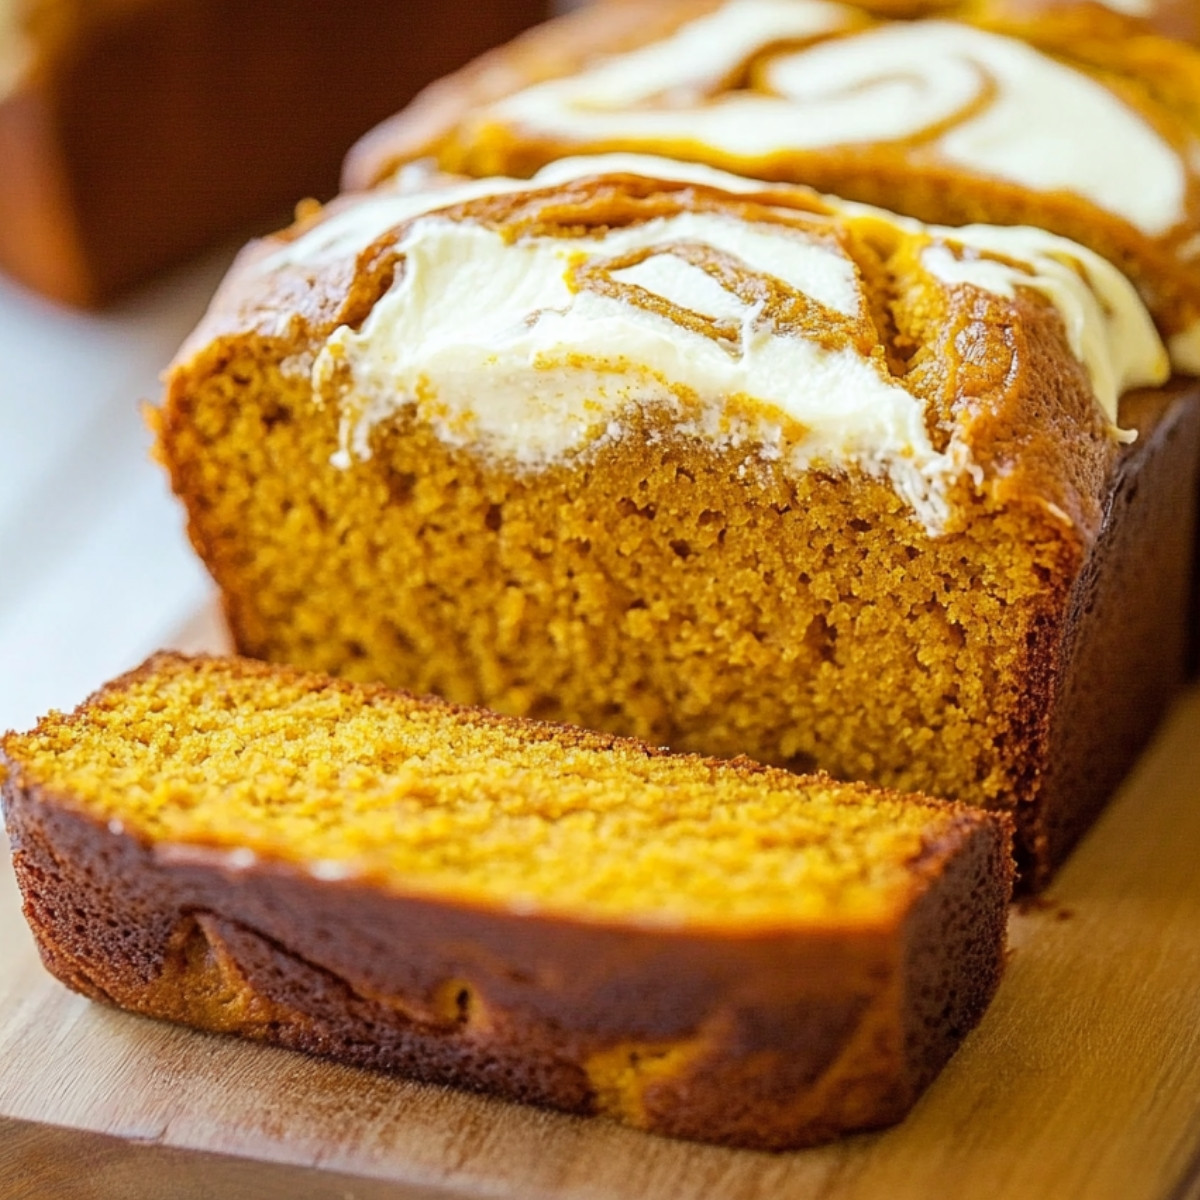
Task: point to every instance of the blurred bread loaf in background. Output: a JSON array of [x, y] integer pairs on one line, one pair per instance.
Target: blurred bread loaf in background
[[133, 133]]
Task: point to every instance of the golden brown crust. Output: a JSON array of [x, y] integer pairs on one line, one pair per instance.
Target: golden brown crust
[[139, 132], [750, 1037], [1156, 75]]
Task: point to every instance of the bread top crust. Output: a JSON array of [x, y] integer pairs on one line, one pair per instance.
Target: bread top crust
[[987, 112], [822, 333], [242, 766]]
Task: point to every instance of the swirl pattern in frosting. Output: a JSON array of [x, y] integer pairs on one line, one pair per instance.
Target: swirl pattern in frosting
[[734, 309], [986, 103], [1062, 115]]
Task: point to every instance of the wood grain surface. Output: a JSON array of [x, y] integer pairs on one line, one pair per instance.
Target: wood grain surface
[[1082, 1081]]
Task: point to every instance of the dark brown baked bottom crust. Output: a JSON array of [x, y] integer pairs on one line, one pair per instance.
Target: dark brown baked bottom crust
[[768, 1040], [146, 131]]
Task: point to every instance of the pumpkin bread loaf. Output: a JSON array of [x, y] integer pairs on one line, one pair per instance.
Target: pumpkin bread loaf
[[1069, 116], [710, 950], [722, 465]]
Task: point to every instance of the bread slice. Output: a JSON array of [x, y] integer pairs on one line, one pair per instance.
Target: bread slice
[[711, 950]]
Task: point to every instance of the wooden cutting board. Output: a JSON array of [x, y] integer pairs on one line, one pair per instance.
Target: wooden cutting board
[[1082, 1081]]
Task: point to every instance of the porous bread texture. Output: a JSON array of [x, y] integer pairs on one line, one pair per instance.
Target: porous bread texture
[[706, 949], [419, 797], [1157, 77], [660, 584]]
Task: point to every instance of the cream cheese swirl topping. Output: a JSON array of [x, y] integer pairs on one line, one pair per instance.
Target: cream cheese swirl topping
[[534, 349], [981, 101]]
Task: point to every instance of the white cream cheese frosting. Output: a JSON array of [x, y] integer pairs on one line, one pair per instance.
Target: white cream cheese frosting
[[981, 101], [1108, 325], [352, 228], [499, 349], [534, 349], [699, 56]]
